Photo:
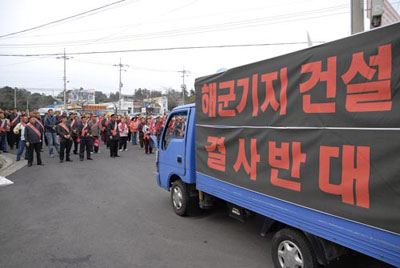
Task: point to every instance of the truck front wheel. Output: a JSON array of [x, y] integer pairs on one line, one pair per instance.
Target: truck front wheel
[[182, 203], [291, 249]]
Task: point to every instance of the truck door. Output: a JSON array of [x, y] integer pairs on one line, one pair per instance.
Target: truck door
[[172, 147]]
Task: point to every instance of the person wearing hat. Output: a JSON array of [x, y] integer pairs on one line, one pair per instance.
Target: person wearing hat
[[113, 136], [64, 132], [33, 136]]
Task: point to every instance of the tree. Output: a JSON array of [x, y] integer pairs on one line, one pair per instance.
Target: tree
[[155, 94], [191, 98], [60, 95], [143, 93], [100, 97], [174, 98], [114, 97], [34, 100]]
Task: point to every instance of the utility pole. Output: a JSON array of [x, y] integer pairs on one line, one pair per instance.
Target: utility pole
[[65, 78], [120, 65], [184, 73], [15, 98], [357, 16]]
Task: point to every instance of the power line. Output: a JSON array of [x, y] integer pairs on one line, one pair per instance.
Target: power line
[[76, 16], [159, 49], [283, 18], [131, 67]]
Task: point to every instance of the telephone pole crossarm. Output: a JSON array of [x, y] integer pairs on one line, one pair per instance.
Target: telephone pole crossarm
[[65, 78], [120, 65], [184, 73]]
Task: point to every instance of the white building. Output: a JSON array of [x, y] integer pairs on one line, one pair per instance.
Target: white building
[[81, 96], [158, 105]]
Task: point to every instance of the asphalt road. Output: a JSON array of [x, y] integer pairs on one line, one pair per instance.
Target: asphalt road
[[111, 213]]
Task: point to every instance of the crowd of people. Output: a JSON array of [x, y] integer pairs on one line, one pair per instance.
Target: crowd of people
[[81, 133]]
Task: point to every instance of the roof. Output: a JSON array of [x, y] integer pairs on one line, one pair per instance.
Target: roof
[[191, 105]]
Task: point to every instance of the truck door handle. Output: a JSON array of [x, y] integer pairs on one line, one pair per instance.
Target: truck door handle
[[179, 159]]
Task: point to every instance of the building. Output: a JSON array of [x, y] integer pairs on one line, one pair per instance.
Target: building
[[129, 106], [157, 105], [390, 14], [81, 97]]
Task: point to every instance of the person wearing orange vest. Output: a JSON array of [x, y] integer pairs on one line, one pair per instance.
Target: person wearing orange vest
[[133, 126], [33, 137], [123, 133], [64, 132]]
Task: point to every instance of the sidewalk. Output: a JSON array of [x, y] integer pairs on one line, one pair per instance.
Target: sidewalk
[[8, 166]]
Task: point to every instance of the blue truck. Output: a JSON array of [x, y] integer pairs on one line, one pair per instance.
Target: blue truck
[[322, 169]]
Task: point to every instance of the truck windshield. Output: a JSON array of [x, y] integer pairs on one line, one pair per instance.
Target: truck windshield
[[175, 128]]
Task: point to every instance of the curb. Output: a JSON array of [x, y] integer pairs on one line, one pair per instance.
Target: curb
[[10, 165], [5, 161]]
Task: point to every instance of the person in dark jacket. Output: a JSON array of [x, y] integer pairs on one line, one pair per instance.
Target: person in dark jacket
[[73, 123], [140, 130], [4, 128], [50, 123], [15, 118], [32, 140], [96, 132], [64, 132], [39, 120], [85, 137], [113, 135]]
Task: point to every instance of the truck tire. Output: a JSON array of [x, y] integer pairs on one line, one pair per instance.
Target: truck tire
[[182, 204], [291, 249]]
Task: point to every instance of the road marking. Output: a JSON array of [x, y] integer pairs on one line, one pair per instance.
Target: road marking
[[4, 181]]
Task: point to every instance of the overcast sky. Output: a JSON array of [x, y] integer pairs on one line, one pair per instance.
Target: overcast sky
[[143, 24]]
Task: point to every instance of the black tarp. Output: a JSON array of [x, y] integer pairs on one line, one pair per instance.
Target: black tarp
[[318, 127]]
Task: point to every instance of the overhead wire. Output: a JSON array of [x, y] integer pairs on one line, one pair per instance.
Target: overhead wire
[[157, 49], [199, 29], [202, 16], [69, 18], [130, 66]]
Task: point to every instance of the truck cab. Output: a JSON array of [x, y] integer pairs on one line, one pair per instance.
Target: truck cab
[[176, 155]]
